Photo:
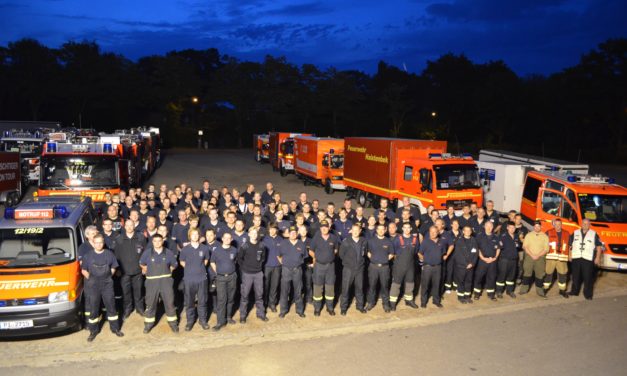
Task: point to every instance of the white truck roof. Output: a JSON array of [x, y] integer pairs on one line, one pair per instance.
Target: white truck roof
[[520, 158]]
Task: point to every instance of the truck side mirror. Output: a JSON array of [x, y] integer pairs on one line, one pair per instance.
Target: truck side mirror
[[325, 160]]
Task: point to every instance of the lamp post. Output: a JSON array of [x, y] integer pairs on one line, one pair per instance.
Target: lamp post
[[200, 133]]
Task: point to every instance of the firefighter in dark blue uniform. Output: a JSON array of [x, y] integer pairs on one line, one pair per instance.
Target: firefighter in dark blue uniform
[[272, 268], [450, 237], [380, 252], [406, 248], [489, 250], [194, 258], [223, 263], [432, 251], [342, 225], [98, 267], [465, 257], [323, 248], [291, 255], [213, 243], [508, 259], [353, 256], [157, 264]]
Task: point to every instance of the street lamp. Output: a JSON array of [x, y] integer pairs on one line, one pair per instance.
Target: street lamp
[[200, 133], [194, 99], [434, 114]]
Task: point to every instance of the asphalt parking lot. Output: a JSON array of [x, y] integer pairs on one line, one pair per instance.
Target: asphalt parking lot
[[528, 335]]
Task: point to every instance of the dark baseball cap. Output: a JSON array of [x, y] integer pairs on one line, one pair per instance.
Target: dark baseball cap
[[324, 223], [293, 228]]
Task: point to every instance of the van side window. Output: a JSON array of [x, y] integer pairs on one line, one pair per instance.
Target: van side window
[[551, 203], [571, 196], [568, 213], [408, 173], [530, 191], [551, 184]]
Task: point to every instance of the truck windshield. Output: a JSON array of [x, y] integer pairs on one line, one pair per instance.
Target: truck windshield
[[337, 161], [288, 148], [78, 172], [456, 176], [603, 208], [27, 148], [28, 246]]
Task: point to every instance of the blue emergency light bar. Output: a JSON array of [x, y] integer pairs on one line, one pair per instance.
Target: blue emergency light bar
[[435, 155], [107, 148], [58, 212], [51, 147]]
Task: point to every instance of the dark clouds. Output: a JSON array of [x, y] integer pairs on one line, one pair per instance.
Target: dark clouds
[[531, 36]]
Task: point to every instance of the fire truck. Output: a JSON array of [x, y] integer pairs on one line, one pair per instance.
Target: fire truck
[[320, 160], [91, 166], [421, 170], [29, 144], [545, 189], [261, 144], [41, 286], [282, 151]]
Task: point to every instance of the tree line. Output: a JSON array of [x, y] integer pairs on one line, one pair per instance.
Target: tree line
[[578, 113]]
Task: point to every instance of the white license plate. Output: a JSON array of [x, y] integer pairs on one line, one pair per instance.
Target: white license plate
[[16, 324]]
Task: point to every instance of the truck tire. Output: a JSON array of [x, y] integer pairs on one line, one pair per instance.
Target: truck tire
[[283, 172], [328, 188], [362, 199]]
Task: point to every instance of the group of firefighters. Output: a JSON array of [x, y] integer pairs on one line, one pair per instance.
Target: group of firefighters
[[194, 247]]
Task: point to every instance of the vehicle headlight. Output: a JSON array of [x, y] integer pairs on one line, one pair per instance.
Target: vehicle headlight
[[55, 297]]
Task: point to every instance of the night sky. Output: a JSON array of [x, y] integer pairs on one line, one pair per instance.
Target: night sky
[[531, 36]]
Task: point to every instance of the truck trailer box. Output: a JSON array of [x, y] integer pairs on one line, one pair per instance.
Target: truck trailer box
[[503, 182], [374, 162], [309, 153]]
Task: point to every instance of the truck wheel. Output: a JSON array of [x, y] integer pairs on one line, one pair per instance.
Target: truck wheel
[[328, 188], [283, 172], [361, 198]]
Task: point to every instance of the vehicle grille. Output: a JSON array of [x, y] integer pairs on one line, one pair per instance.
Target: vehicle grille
[[23, 302], [458, 204], [620, 249]]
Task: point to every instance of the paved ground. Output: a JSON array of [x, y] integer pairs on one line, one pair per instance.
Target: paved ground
[[528, 335]]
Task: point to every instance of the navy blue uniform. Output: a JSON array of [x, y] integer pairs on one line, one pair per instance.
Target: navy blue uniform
[[506, 264], [292, 256], [466, 253], [432, 253], [449, 266], [99, 287], [226, 282], [272, 270], [196, 283], [179, 234], [324, 269], [342, 229], [159, 284], [403, 270], [488, 245], [379, 270], [251, 258], [353, 256]]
